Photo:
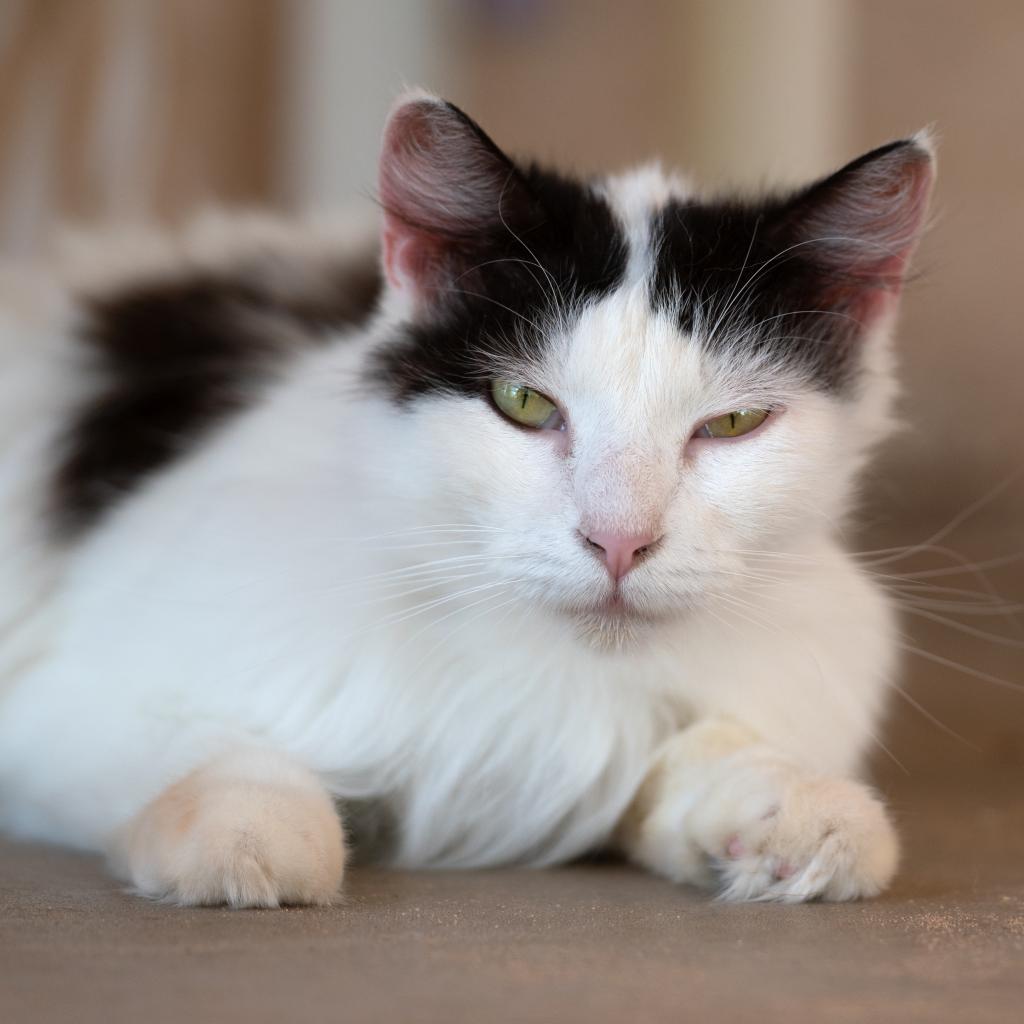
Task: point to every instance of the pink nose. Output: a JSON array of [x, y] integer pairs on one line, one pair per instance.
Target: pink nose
[[619, 551]]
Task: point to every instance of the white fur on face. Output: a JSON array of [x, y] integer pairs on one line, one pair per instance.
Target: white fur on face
[[634, 390]]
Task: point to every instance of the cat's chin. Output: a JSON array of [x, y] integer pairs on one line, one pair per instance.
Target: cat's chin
[[611, 632], [616, 622]]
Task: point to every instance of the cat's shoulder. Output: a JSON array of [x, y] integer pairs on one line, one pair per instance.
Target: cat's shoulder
[[181, 329]]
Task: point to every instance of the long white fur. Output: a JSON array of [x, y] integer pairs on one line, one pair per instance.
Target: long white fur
[[238, 601]]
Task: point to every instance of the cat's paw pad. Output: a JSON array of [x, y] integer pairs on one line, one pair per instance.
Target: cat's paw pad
[[799, 838], [238, 843]]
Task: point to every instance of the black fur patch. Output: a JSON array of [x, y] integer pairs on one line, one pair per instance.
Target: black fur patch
[[372, 829], [179, 356], [728, 261], [515, 277], [777, 276]]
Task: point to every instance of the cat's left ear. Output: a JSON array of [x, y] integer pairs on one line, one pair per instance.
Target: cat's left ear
[[858, 228], [448, 193]]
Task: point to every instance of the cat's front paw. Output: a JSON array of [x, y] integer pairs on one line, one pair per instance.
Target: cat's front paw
[[214, 838], [789, 836]]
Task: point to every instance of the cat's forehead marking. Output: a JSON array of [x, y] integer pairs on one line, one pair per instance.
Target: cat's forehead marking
[[636, 197], [624, 362]]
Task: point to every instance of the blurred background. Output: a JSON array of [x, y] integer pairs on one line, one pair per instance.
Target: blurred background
[[148, 109]]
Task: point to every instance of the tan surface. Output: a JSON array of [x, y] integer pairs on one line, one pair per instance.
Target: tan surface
[[590, 943]]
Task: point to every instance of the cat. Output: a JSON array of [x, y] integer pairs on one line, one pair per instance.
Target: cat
[[521, 546]]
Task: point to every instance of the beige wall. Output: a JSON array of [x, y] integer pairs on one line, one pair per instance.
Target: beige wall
[[961, 68], [598, 84], [133, 108]]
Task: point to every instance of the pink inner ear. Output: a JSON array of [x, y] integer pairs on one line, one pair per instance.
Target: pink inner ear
[[443, 184], [866, 306], [897, 226], [407, 256], [875, 219], [895, 214], [392, 245], [409, 192]]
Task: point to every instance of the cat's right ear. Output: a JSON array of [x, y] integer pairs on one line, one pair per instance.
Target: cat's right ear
[[447, 191]]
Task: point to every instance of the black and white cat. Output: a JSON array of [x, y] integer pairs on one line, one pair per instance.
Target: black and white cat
[[526, 550]]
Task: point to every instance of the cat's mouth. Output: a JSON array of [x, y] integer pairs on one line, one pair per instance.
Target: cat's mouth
[[626, 607], [614, 620], [617, 607]]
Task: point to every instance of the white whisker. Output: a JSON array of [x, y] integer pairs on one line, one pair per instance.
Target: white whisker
[[976, 673]]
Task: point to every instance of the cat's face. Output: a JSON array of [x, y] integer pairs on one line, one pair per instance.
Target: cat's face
[[633, 398]]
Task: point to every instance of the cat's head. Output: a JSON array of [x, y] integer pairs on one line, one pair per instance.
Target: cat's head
[[626, 392]]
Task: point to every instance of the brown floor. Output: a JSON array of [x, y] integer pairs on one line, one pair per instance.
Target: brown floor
[[588, 943], [591, 943]]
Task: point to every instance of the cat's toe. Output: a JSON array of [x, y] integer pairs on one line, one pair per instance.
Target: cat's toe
[[828, 839]]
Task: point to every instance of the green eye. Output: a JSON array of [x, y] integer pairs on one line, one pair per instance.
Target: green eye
[[733, 424], [525, 406]]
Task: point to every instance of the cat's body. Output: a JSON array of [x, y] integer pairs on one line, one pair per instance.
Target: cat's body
[[332, 567]]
